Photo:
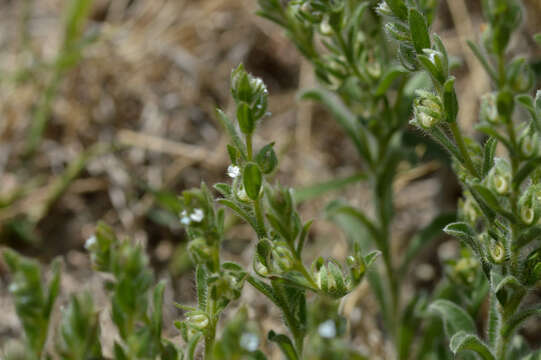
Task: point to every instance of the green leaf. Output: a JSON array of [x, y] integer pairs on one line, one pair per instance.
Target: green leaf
[[517, 319], [252, 180], [240, 212], [279, 227], [491, 131], [266, 290], [483, 60], [54, 287], [432, 69], [380, 293], [232, 132], [463, 232], [450, 101], [525, 171], [266, 159], [337, 207], [455, 318], [387, 79], [157, 313], [78, 335], [419, 31], [399, 8], [76, 15], [527, 236], [302, 237], [245, 118], [509, 292], [419, 242], [192, 345], [463, 341], [488, 155], [285, 344], [313, 191], [528, 103]]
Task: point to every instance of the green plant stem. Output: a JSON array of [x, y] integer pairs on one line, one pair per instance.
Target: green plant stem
[[259, 216], [468, 163], [392, 282], [249, 150], [210, 335]]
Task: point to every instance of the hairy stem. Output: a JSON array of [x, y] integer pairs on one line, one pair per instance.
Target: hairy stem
[[468, 163]]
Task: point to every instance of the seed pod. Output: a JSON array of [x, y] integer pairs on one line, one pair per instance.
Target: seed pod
[[489, 110], [497, 252], [499, 177], [529, 143], [530, 205], [198, 321]]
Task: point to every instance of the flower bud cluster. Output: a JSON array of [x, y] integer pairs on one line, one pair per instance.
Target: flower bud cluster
[[250, 95], [427, 110]]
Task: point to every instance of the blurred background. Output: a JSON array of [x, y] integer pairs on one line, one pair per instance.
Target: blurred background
[[107, 107]]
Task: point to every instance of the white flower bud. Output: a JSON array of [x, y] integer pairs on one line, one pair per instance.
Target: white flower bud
[[327, 329], [261, 269], [233, 171], [325, 28], [197, 215]]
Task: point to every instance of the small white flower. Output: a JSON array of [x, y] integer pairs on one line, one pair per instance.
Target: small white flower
[[249, 341], [184, 218], [90, 242], [325, 28], [233, 171], [197, 215], [327, 329]]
